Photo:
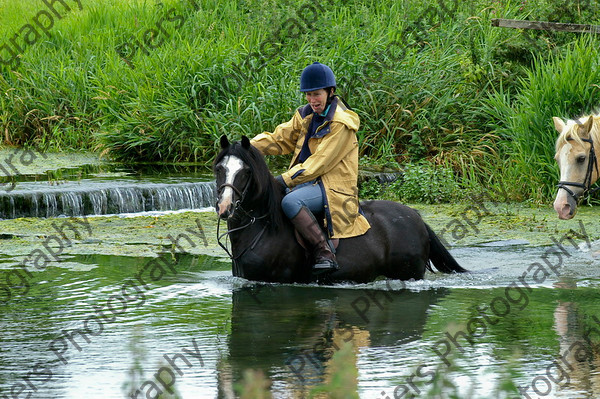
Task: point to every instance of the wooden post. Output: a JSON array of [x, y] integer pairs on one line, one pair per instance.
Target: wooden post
[[541, 25]]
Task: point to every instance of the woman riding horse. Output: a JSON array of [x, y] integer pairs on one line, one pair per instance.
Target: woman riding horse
[[323, 174]]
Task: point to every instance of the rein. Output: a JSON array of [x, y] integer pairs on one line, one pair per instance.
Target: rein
[[587, 181], [253, 219], [228, 232]]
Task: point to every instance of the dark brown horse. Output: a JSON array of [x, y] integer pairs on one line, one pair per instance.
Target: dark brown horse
[[399, 244]]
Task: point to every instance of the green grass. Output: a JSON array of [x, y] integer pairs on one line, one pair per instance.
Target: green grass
[[425, 81], [563, 85]]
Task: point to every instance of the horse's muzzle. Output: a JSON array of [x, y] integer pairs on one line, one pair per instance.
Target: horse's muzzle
[[566, 209], [224, 209]]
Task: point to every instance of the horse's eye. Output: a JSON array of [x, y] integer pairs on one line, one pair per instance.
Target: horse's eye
[[581, 159], [243, 175]]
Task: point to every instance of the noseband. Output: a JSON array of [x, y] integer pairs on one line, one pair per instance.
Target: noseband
[[235, 189], [241, 194], [246, 214], [587, 181]]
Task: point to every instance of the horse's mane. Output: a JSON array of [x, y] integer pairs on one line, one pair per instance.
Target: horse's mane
[[572, 131], [264, 191]]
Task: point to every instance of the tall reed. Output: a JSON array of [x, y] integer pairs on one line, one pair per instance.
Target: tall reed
[[418, 74]]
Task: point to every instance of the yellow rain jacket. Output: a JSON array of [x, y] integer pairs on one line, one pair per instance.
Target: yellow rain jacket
[[333, 162]]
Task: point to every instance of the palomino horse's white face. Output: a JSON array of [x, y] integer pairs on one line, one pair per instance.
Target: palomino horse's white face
[[573, 158]]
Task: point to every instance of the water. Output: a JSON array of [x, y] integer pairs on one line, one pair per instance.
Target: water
[[228, 325], [105, 190], [112, 326], [105, 198]]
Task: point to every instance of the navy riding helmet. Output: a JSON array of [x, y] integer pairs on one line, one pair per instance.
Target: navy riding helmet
[[316, 76]]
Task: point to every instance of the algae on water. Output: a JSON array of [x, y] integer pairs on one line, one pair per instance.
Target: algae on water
[[195, 232]]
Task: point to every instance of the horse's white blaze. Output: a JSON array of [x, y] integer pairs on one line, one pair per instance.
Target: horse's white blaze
[[561, 205], [563, 162], [232, 166]]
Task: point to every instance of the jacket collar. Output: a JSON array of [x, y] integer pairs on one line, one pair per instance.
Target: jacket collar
[[323, 129], [306, 110]]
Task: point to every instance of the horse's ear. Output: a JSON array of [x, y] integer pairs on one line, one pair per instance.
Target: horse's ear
[[586, 128], [224, 142], [245, 142], [558, 124]]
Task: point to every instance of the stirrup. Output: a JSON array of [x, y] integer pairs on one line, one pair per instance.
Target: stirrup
[[325, 265]]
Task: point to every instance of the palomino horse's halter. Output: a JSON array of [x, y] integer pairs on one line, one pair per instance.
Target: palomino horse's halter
[[587, 181]]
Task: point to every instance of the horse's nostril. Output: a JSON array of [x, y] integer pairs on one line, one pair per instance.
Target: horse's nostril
[[224, 210], [566, 212], [571, 204]]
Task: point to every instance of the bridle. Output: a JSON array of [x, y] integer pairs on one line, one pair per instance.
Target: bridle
[[241, 194], [248, 214], [587, 181]]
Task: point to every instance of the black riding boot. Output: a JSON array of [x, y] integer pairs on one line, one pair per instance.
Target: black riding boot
[[310, 230]]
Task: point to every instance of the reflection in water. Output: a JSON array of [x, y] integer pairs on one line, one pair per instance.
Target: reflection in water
[[578, 361], [291, 332], [573, 371]]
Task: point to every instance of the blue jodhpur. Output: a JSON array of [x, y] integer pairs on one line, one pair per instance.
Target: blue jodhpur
[[307, 194]]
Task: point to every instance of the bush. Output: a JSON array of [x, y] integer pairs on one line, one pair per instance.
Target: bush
[[420, 182], [424, 182], [371, 189]]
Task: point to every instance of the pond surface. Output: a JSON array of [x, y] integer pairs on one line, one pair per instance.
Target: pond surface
[[83, 332], [116, 315]]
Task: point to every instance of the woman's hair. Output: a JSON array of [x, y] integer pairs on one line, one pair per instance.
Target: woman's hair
[[342, 100], [332, 95]]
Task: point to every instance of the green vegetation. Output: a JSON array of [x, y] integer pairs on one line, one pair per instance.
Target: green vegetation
[[420, 182], [343, 382], [145, 80]]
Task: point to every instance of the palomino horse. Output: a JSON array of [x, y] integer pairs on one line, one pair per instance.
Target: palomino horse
[[399, 245], [577, 159]]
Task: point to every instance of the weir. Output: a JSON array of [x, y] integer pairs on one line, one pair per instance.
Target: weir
[[105, 198]]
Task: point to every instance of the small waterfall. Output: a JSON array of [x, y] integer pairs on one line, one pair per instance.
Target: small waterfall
[[106, 200]]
